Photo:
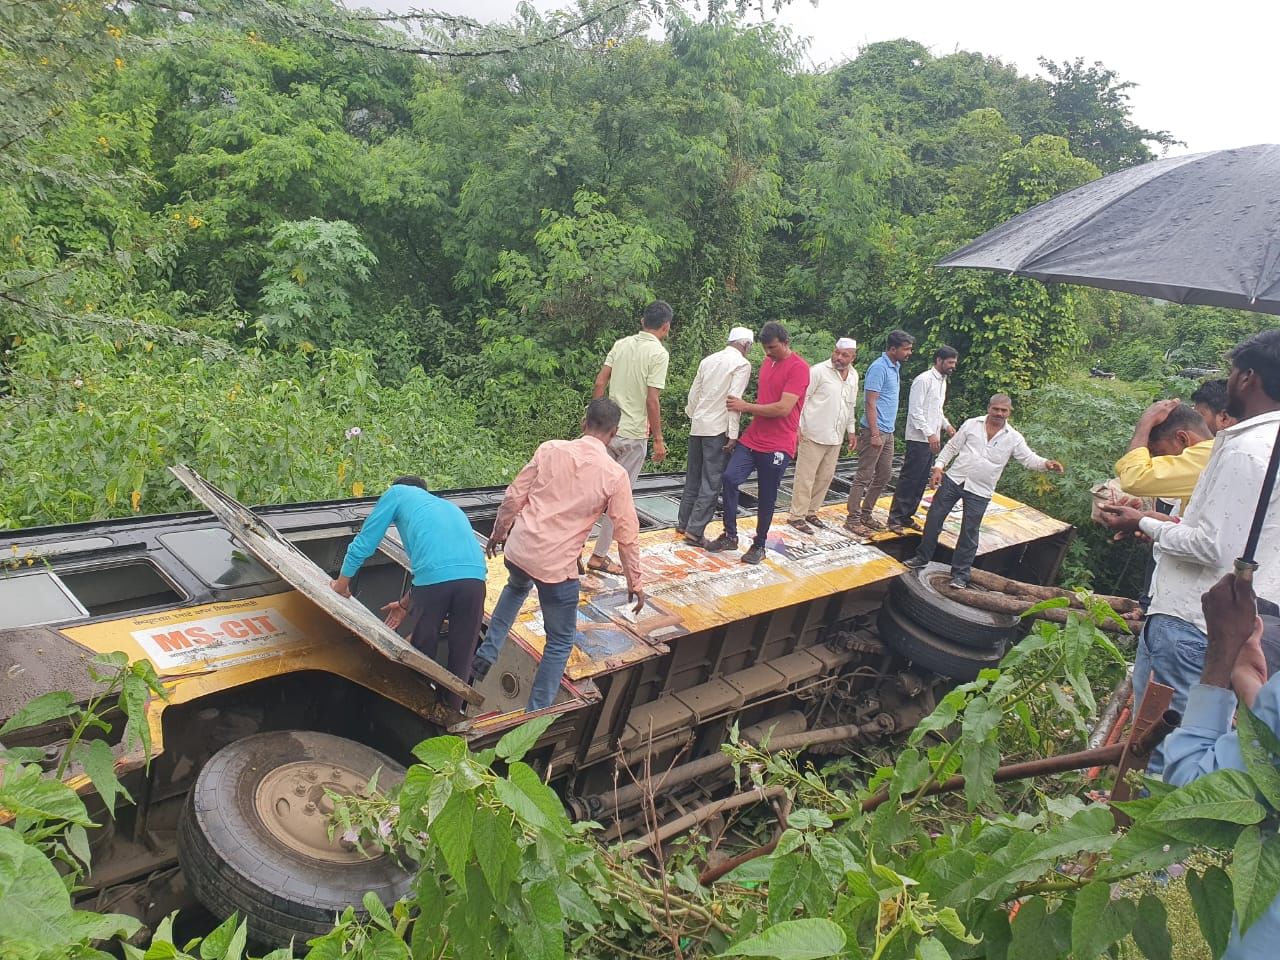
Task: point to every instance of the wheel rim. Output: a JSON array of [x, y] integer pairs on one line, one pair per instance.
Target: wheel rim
[[294, 805]]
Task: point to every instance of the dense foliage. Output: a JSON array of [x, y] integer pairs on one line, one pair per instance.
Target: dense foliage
[[249, 226]]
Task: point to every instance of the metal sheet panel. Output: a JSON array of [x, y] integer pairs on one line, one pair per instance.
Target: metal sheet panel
[[274, 551]]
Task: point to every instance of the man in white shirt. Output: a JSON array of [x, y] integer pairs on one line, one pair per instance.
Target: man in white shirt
[[1192, 555], [713, 431], [968, 469], [925, 423], [826, 423]]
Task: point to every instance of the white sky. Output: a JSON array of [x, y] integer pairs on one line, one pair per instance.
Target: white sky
[[1201, 66]]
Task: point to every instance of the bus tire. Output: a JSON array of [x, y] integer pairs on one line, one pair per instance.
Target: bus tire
[[932, 652]]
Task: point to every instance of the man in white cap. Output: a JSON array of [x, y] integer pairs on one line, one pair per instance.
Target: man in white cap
[[826, 423], [713, 431]]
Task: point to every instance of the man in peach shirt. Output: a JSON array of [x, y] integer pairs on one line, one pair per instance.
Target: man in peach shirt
[[544, 521]]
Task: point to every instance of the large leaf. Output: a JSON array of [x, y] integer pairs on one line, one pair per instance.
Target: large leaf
[[1039, 932], [516, 743], [527, 781], [496, 851], [35, 906], [810, 939], [543, 937], [451, 832], [978, 764], [1255, 875], [796, 879], [1091, 830], [26, 792], [1211, 899], [1099, 921], [1261, 750], [100, 764], [1227, 795], [42, 709], [1151, 929]]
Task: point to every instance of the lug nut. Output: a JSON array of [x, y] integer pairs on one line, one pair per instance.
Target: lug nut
[[300, 790], [309, 808]]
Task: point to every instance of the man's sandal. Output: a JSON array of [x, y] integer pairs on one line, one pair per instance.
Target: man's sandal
[[605, 565]]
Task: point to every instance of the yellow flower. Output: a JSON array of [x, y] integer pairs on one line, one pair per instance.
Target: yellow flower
[[114, 32], [105, 144], [357, 489], [342, 471], [119, 64], [194, 222], [135, 498]]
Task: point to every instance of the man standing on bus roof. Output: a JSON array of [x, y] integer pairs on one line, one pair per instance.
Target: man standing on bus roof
[[448, 571], [544, 521], [634, 374], [875, 440], [973, 461], [925, 423], [769, 443], [827, 422], [713, 431]]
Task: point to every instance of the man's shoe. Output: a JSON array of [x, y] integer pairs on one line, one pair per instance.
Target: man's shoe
[[693, 540], [722, 542], [814, 520], [854, 526], [915, 563], [754, 555], [911, 523], [800, 524], [896, 527], [959, 583], [871, 523], [479, 669]]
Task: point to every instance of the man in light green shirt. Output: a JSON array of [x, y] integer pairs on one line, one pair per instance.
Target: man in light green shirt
[[634, 374]]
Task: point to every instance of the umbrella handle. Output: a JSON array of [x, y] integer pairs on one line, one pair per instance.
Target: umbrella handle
[[1244, 569]]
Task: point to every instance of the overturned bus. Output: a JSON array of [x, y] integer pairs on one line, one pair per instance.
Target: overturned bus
[[280, 692]]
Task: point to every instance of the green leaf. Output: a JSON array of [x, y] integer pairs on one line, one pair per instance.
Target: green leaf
[[451, 832], [1261, 750], [543, 937], [42, 709], [931, 949], [441, 753], [1211, 899], [809, 939], [526, 779], [377, 911], [978, 764], [100, 766], [1151, 929], [1255, 875], [31, 794], [226, 942], [516, 743], [496, 851], [1037, 932], [1099, 921], [1091, 830], [385, 945], [1227, 795], [790, 880]]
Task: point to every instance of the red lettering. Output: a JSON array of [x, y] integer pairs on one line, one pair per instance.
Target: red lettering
[[261, 625], [200, 635], [235, 629], [171, 642]]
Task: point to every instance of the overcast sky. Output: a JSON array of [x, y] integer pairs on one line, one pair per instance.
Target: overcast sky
[[1201, 67]]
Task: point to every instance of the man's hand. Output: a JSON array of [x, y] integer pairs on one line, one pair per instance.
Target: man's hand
[[659, 450], [1159, 411], [951, 431], [493, 546], [935, 444], [1117, 516], [1055, 466], [730, 444], [877, 440], [636, 594], [935, 478], [341, 586], [1250, 671], [394, 612], [1231, 614], [737, 405], [853, 443]]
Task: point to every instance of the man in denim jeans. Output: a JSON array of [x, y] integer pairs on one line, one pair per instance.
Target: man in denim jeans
[[544, 521], [1193, 554]]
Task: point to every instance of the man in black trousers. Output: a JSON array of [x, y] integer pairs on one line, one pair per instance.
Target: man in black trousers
[[925, 423]]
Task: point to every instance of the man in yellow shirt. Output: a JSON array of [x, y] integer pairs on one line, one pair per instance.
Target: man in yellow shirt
[[1170, 447]]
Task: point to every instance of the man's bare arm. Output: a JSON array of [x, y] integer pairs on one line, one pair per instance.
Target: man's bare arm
[[602, 382]]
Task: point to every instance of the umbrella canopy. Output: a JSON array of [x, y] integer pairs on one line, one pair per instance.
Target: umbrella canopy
[[1203, 228]]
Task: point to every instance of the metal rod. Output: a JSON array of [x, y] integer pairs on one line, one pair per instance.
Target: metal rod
[[1260, 512]]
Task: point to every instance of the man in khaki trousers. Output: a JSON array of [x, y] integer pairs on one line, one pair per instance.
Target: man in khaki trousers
[[825, 423]]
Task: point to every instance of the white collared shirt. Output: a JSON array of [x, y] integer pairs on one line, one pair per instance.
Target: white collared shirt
[[1194, 554], [979, 461], [925, 418], [721, 375], [828, 413]]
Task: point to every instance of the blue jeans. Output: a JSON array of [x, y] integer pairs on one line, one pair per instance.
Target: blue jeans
[[769, 469], [1170, 651], [966, 551], [559, 605]]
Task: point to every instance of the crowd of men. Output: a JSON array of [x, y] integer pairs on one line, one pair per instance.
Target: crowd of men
[[1188, 485]]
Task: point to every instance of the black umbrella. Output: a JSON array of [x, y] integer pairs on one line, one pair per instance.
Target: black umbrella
[[1203, 228]]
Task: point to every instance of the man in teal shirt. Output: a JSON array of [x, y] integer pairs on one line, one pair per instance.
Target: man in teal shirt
[[448, 571], [875, 438]]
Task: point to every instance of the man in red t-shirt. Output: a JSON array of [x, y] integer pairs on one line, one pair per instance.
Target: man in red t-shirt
[[769, 444]]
